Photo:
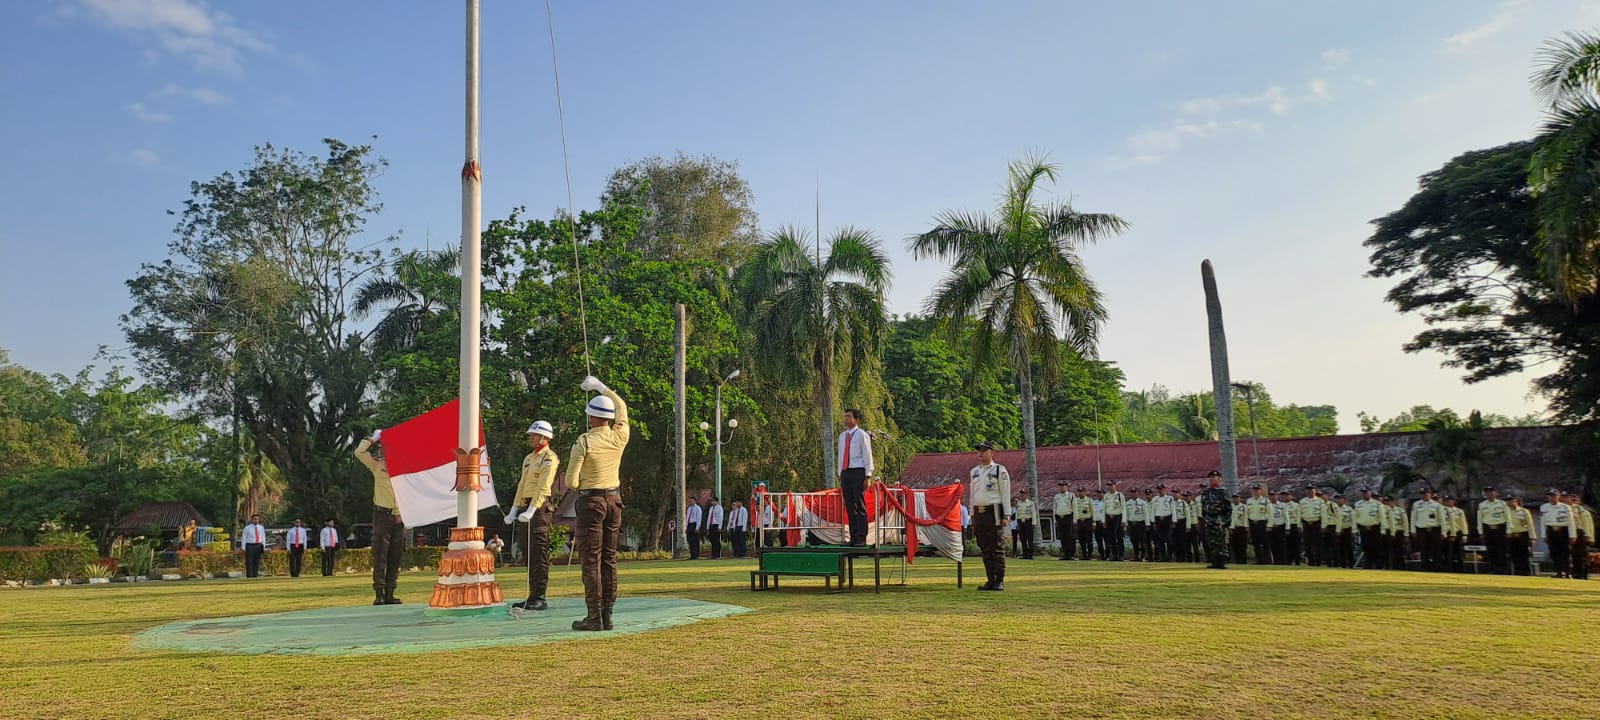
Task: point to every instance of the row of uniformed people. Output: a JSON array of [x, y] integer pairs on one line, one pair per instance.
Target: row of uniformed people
[[1157, 524]]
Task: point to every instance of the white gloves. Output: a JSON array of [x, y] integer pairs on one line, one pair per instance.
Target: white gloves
[[593, 384], [527, 515], [377, 434], [511, 517]]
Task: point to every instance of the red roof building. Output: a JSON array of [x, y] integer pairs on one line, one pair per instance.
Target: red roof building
[[1526, 460]]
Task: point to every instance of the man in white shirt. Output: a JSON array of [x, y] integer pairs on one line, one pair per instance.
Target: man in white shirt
[[1027, 513], [738, 526], [855, 466], [1427, 526], [1555, 522], [693, 520], [328, 540], [1493, 514], [714, 527], [255, 543], [1062, 509], [296, 540], [989, 494]]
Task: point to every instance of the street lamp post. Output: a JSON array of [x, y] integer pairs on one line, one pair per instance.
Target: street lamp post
[[1250, 403], [717, 424]]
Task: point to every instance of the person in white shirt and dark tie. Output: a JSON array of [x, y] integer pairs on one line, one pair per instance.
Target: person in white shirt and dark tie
[[255, 543], [328, 540], [296, 540], [855, 466], [693, 520], [738, 527], [714, 517]]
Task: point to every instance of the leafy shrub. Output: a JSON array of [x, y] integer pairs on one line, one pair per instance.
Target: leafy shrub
[[196, 563], [275, 562], [66, 538], [422, 557], [96, 571], [44, 562], [558, 539], [137, 558], [220, 546], [645, 555]]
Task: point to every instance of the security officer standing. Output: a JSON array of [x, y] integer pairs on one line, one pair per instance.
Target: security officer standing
[[1180, 529], [594, 473], [1555, 519], [1346, 550], [1427, 524], [1027, 513], [1311, 524], [255, 544], [1161, 515], [1258, 512], [533, 495], [1521, 533], [1455, 535], [1114, 505], [1083, 511], [1062, 507], [1238, 532], [388, 530], [1291, 528], [738, 528], [693, 520], [989, 493], [1582, 536], [1398, 533], [1218, 512], [1133, 515], [1493, 514], [1369, 515]]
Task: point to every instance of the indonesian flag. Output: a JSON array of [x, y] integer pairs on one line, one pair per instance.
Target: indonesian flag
[[420, 454]]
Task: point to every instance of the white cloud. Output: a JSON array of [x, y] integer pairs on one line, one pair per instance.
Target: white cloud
[[142, 158], [1319, 90], [204, 96], [1274, 99], [1152, 145], [1465, 40], [150, 116], [183, 28], [1335, 58]]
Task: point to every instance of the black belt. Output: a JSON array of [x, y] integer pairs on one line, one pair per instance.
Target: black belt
[[384, 510], [599, 493]]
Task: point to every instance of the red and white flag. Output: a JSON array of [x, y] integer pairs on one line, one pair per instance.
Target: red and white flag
[[420, 454]]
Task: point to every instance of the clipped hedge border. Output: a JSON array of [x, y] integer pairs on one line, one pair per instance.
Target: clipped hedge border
[[45, 562]]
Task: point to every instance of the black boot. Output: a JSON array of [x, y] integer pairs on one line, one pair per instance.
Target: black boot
[[987, 585], [380, 598], [999, 583], [605, 616], [589, 622], [538, 603], [389, 598]]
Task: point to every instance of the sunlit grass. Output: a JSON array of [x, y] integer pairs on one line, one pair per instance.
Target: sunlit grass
[[1066, 639]]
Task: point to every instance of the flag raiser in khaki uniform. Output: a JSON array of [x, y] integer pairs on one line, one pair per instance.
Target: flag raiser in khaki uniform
[[594, 472], [533, 494]]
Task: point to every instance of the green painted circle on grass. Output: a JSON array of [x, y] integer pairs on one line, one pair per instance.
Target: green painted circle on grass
[[368, 630]]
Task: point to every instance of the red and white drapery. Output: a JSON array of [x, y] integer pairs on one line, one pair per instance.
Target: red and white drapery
[[935, 514]]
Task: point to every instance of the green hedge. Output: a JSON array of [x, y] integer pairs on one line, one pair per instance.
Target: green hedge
[[45, 562], [276, 562]]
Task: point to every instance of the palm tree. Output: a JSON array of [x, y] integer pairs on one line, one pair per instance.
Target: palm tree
[[813, 317], [1565, 173], [1018, 275], [421, 286]]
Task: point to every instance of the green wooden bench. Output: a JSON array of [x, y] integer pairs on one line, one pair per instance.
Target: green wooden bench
[[772, 564]]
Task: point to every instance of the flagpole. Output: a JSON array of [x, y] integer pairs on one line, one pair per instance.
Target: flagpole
[[466, 572]]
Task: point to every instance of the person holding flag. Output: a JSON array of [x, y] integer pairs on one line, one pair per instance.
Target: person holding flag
[[595, 463], [533, 493], [388, 530]]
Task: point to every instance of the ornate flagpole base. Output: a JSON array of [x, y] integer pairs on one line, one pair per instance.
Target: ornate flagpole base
[[466, 574]]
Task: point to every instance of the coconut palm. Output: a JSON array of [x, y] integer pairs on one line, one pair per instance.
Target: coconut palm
[[419, 287], [814, 316], [1565, 173], [1018, 275]]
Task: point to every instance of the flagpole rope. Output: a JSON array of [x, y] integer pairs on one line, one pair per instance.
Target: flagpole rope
[[566, 166]]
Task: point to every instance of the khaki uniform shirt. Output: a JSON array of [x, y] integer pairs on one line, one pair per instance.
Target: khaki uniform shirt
[[1583, 521], [1311, 509], [1027, 510], [990, 485], [1520, 522], [1239, 519], [1063, 505], [1347, 518], [382, 486], [1426, 514], [1369, 513], [1399, 521], [1493, 513], [596, 460], [1083, 508], [538, 477], [1257, 508], [1113, 503], [1136, 509], [1161, 506]]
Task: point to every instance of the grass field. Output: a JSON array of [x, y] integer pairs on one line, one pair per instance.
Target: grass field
[[1066, 639]]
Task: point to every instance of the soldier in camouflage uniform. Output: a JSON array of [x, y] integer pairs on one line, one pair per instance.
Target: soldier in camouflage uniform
[[1218, 512]]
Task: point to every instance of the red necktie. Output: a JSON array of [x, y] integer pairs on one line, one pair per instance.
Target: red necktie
[[845, 464]]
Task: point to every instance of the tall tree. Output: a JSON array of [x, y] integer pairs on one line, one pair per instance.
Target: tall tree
[[696, 209], [814, 317], [1565, 173], [938, 404], [250, 313], [1018, 274]]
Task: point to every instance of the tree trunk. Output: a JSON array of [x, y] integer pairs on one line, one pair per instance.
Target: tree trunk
[[830, 474], [1030, 441], [1221, 384]]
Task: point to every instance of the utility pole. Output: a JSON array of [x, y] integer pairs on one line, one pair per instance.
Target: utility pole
[[680, 538]]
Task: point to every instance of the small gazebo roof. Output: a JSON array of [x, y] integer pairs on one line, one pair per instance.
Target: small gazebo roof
[[165, 515]]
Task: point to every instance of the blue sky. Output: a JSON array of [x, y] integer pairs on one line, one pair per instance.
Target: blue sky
[[1261, 135]]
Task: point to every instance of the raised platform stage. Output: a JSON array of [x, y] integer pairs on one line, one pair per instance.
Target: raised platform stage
[[829, 562]]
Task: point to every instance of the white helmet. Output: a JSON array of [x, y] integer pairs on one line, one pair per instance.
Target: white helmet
[[540, 427], [601, 406]]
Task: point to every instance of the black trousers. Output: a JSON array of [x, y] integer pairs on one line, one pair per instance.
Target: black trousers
[[1311, 534], [252, 558], [1114, 536], [1238, 543], [1398, 550], [738, 538], [297, 559], [715, 534], [1258, 539], [853, 484], [1291, 544], [1180, 543], [1347, 549], [1372, 556], [692, 532], [1025, 529], [539, 552], [1280, 544], [1494, 544], [1560, 545], [1101, 535], [1580, 557], [328, 554], [1429, 541], [388, 548], [1520, 549], [987, 527], [1086, 537], [1137, 536], [1162, 542], [1064, 535]]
